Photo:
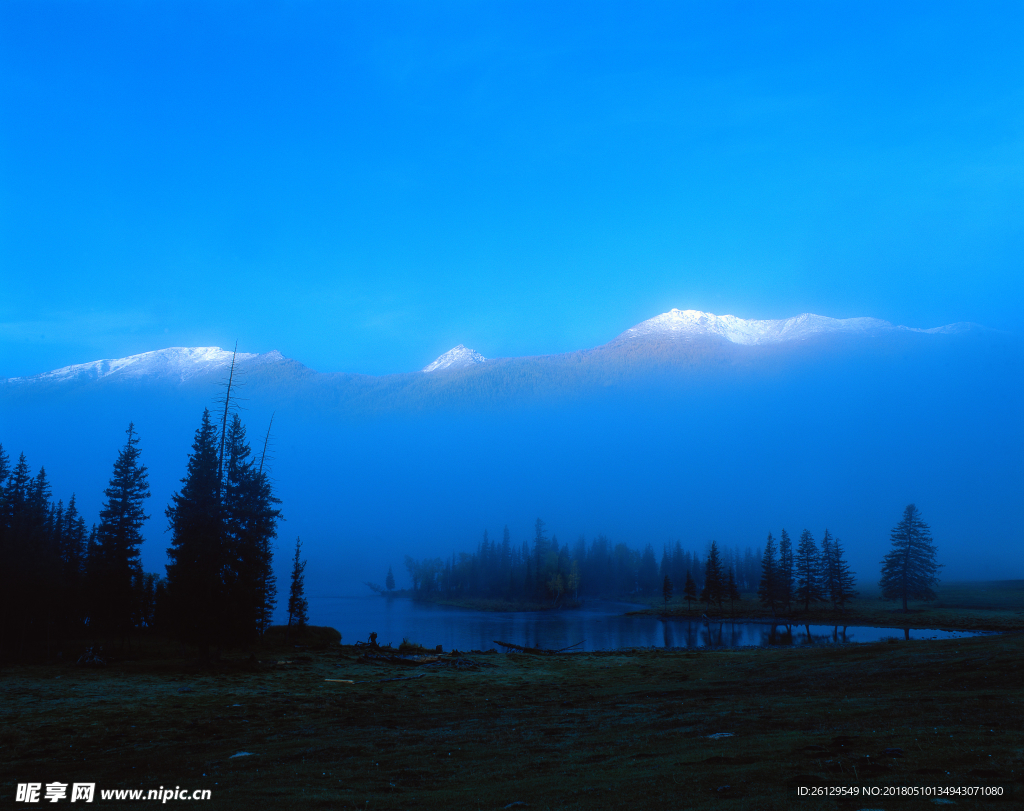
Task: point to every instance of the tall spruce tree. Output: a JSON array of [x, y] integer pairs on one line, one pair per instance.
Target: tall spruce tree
[[732, 592], [768, 588], [808, 571], [196, 591], [829, 573], [909, 569], [786, 573], [714, 582], [298, 606], [250, 525], [40, 614], [689, 590], [844, 581], [118, 538], [72, 546]]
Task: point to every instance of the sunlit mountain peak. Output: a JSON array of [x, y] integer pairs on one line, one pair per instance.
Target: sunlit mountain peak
[[455, 358]]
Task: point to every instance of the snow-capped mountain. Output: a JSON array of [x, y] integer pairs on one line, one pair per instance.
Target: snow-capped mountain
[[694, 323], [455, 358], [178, 363], [690, 328]]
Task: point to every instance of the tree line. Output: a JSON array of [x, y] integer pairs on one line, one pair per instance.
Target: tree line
[[60, 580], [784, 577], [545, 570]]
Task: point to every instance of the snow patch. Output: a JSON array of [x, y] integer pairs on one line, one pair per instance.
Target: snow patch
[[685, 323], [180, 362], [455, 358]]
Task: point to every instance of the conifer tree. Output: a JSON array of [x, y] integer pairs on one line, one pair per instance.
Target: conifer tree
[[768, 589], [689, 590], [42, 559], [909, 569], [72, 550], [666, 589], [250, 525], [541, 547], [196, 595], [844, 578], [298, 606], [714, 583], [389, 581], [731, 591], [808, 571], [118, 538], [786, 573], [829, 574]]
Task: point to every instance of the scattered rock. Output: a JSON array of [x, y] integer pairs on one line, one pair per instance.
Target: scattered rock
[[893, 752], [717, 735]]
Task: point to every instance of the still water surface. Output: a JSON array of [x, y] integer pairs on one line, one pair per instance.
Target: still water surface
[[600, 625]]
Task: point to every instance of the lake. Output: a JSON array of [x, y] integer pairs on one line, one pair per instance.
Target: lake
[[599, 625]]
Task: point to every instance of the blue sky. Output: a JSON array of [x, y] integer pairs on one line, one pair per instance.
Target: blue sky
[[364, 185]]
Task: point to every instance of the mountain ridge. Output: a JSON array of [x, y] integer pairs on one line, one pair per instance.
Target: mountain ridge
[[185, 363]]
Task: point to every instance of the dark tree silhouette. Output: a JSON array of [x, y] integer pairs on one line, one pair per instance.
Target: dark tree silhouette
[[666, 589], [196, 597], [828, 576], [842, 580], [808, 571], [116, 564], [389, 581], [786, 574], [71, 543], [250, 525], [714, 582], [298, 607], [909, 569], [768, 588], [732, 591], [689, 590]]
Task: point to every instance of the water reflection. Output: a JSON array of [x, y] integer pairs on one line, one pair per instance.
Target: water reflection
[[602, 626]]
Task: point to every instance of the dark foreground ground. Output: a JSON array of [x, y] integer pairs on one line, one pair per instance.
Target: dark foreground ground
[[630, 729]]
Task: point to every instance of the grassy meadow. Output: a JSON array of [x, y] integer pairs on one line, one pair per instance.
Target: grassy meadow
[[326, 726]]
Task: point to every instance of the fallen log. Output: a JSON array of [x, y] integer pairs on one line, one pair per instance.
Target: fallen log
[[536, 651]]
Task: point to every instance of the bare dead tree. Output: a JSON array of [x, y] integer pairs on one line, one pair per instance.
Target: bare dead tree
[[224, 419], [266, 441]]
